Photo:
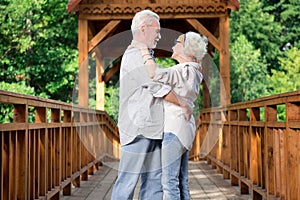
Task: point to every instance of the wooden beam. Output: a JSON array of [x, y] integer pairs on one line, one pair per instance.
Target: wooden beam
[[83, 76], [100, 95], [103, 33], [224, 61], [111, 72], [129, 16], [201, 29], [100, 84], [166, 10], [99, 63]]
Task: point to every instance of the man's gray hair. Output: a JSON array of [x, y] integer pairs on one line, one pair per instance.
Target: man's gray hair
[[195, 45], [144, 17]]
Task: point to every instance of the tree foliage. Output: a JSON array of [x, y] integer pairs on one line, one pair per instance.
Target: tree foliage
[[287, 79], [38, 46], [261, 34], [248, 71], [260, 28], [38, 50], [286, 12], [112, 101]]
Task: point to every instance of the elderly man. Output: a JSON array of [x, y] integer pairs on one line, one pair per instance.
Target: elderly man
[[140, 115]]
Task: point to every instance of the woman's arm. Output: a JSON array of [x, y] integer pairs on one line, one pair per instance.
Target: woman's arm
[[149, 62], [175, 99], [172, 98]]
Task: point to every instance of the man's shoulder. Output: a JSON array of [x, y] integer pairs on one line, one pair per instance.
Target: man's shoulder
[[132, 56], [131, 52]]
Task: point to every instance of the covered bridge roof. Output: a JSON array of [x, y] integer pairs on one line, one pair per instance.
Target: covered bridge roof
[[73, 4]]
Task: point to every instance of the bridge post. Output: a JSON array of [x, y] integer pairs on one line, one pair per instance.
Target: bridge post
[[224, 60]]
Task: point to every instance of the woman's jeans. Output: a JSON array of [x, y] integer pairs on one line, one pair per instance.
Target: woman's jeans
[[140, 158], [174, 168]]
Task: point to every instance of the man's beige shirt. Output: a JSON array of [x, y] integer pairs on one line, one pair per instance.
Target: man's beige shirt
[[140, 109]]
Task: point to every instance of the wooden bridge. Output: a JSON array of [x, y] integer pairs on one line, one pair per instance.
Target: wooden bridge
[[204, 182], [46, 156], [55, 150]]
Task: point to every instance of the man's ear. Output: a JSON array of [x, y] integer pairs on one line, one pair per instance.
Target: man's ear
[[143, 27]]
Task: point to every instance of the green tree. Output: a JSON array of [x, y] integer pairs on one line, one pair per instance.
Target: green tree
[[248, 71], [290, 18], [260, 28], [39, 46], [287, 13], [112, 102], [287, 78], [165, 62]]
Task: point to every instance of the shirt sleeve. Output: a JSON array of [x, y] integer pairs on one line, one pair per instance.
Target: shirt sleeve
[[166, 76], [183, 79], [174, 76], [157, 89]]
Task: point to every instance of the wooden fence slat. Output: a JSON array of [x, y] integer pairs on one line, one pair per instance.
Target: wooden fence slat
[[43, 172], [293, 164], [283, 160], [277, 162]]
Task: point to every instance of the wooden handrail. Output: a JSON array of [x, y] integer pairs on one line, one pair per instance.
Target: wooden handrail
[[255, 150], [42, 159]]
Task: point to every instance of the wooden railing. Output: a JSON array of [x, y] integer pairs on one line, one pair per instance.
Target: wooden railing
[[256, 151], [42, 150]]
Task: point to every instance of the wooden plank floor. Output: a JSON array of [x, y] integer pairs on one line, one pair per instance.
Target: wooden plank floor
[[204, 183]]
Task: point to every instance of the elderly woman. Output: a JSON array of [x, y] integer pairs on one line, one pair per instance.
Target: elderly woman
[[179, 129]]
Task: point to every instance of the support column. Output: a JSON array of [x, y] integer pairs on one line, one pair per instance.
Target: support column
[[224, 60], [100, 84], [83, 72]]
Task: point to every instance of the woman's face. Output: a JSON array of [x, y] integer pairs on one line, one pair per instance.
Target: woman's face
[[177, 49]]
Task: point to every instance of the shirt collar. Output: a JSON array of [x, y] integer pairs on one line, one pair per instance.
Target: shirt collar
[[137, 44]]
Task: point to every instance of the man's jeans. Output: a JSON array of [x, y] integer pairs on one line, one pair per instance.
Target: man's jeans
[[175, 168], [140, 158]]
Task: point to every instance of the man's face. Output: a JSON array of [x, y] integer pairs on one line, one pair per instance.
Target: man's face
[[152, 34]]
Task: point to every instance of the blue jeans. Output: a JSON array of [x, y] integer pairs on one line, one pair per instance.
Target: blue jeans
[[175, 168], [140, 158]]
